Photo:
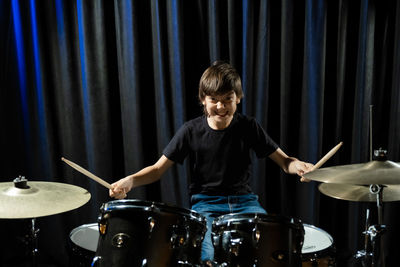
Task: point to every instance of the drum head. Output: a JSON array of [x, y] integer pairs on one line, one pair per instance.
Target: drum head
[[86, 236], [315, 239]]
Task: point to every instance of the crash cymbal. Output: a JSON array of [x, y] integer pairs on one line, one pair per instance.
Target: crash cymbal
[[360, 193], [373, 172], [39, 199]]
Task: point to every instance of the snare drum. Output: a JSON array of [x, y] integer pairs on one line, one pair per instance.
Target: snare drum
[[253, 239], [82, 245], [143, 233], [318, 248]]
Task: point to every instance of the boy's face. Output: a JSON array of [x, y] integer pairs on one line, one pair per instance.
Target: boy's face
[[220, 109]]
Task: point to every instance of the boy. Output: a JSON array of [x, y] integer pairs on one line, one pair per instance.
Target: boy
[[218, 146]]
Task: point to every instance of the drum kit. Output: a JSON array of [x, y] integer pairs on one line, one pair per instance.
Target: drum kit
[[143, 233]]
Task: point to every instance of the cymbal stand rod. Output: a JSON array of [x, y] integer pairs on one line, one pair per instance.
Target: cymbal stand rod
[[367, 223], [370, 132], [365, 255], [34, 242], [379, 201]]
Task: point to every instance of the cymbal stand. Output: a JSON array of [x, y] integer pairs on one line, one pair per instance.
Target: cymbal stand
[[22, 183], [373, 252], [34, 242]]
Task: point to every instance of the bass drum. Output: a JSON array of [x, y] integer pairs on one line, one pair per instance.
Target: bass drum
[[143, 233], [318, 248], [82, 245], [253, 239]]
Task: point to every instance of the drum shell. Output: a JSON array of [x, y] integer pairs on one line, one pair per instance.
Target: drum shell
[[82, 245], [142, 233], [265, 240]]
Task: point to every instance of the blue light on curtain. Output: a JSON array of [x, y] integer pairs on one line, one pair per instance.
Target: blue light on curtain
[[63, 57], [19, 41], [21, 62], [177, 86], [39, 95], [315, 62], [313, 88], [85, 93], [60, 20], [160, 78]]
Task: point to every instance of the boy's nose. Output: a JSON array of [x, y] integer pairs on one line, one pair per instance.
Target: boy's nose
[[220, 104]]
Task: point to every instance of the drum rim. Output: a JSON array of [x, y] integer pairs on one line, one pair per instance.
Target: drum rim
[[122, 204], [251, 217]]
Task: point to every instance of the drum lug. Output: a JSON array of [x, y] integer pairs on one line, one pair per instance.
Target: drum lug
[[119, 240], [235, 240], [280, 256], [179, 238], [152, 223], [234, 245], [256, 235], [102, 222]]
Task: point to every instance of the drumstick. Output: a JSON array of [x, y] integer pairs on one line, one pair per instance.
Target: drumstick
[[327, 156], [87, 173], [323, 160]]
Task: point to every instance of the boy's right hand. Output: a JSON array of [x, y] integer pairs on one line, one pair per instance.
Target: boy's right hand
[[121, 188]]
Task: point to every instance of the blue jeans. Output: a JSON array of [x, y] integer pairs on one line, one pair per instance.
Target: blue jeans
[[212, 207]]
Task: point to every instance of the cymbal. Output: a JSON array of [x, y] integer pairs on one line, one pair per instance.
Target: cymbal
[[40, 199], [373, 172], [359, 192]]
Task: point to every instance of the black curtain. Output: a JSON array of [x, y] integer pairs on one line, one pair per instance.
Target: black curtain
[[106, 84]]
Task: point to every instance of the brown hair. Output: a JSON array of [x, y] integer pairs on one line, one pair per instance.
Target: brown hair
[[218, 79]]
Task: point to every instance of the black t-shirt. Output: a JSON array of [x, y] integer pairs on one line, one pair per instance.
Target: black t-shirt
[[220, 160]]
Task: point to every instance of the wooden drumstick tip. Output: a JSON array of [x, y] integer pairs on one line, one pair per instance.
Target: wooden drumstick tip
[[327, 156]]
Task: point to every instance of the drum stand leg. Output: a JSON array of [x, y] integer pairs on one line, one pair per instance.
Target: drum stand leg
[[373, 252]]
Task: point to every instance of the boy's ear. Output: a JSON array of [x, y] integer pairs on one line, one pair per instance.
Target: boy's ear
[[237, 100]]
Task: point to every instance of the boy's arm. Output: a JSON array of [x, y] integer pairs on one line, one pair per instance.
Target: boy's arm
[[145, 176], [291, 165]]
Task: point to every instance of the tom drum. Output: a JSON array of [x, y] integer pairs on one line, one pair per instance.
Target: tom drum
[[318, 248], [82, 245], [144, 233], [253, 239]]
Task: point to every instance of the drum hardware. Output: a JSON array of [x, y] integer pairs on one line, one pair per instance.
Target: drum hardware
[[372, 254], [152, 223], [22, 200], [375, 181], [374, 176], [120, 240], [180, 236]]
